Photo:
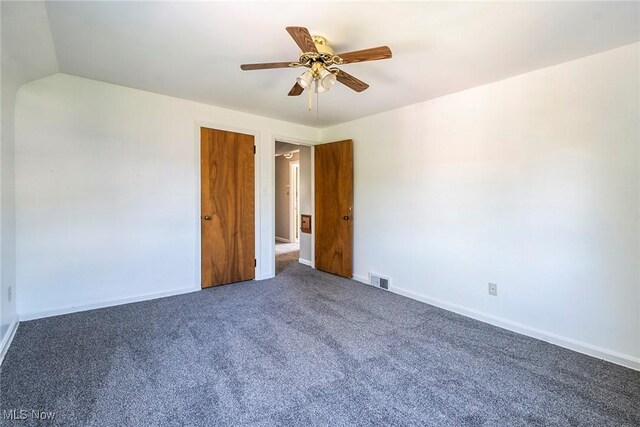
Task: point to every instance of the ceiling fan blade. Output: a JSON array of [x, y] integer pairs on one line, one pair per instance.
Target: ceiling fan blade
[[303, 39], [296, 90], [348, 80], [373, 54], [265, 66]]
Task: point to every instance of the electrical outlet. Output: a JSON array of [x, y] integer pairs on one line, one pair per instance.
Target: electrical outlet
[[10, 293], [493, 289]]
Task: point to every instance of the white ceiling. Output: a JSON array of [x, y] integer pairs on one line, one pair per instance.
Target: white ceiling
[[27, 48], [194, 50]]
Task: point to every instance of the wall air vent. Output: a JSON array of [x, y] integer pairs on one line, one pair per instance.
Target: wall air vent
[[379, 281]]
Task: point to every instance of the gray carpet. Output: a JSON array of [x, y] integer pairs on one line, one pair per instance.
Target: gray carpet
[[305, 348], [287, 254]]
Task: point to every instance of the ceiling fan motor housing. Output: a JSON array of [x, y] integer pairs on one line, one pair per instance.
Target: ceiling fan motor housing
[[322, 45], [323, 58]]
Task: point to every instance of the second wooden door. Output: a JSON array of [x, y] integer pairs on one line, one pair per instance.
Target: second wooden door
[[333, 164]]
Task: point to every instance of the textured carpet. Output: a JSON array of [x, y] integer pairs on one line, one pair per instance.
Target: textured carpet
[[287, 254], [305, 348]]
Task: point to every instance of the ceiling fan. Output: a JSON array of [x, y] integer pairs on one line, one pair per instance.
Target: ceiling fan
[[320, 59]]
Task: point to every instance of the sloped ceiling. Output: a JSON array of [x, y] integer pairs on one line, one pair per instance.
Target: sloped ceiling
[[27, 47], [193, 50]]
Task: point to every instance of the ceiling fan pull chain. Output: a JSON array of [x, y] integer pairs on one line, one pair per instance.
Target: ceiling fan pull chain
[[310, 98]]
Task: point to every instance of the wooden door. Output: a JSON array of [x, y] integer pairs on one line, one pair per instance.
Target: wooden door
[[227, 207], [333, 164]]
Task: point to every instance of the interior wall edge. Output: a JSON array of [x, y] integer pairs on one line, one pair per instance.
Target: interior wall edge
[[305, 262], [625, 360], [540, 198], [8, 338], [94, 305]]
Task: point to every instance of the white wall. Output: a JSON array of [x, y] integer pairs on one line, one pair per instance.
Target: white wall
[[27, 54], [531, 183], [283, 195], [306, 201], [106, 192]]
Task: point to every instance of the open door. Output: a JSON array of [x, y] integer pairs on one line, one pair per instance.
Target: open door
[[227, 207], [333, 164]]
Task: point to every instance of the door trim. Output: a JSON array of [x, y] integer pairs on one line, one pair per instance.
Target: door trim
[[292, 200], [257, 206]]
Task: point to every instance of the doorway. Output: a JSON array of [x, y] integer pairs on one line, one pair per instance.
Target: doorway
[[227, 217], [293, 198]]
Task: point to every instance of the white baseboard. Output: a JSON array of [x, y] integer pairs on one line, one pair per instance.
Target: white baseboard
[[360, 278], [103, 304], [568, 343], [6, 340], [305, 262], [282, 239]]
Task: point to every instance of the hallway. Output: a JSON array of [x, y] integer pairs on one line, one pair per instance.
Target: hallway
[[286, 254]]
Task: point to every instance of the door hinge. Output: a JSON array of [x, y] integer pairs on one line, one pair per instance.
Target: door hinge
[[254, 149], [255, 262]]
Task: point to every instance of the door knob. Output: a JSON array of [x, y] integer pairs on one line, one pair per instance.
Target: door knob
[[207, 218], [346, 217]]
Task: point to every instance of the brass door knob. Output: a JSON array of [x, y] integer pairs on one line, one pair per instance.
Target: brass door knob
[[207, 218]]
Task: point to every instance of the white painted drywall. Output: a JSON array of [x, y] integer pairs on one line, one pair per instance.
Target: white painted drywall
[[531, 182], [27, 54], [107, 202], [283, 195], [306, 200]]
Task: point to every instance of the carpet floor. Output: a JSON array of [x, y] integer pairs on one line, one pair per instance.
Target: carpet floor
[[286, 254], [304, 348]]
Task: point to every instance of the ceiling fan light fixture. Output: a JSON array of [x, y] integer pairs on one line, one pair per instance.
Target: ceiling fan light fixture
[[326, 79], [305, 79]]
